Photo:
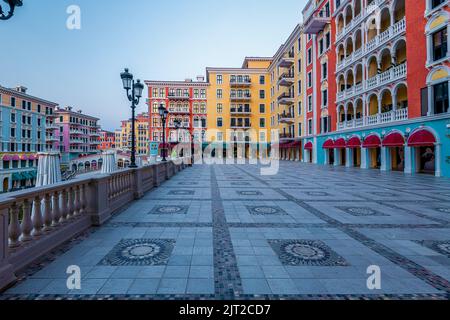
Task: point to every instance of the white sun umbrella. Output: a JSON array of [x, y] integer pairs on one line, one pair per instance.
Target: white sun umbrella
[[49, 169], [109, 162]]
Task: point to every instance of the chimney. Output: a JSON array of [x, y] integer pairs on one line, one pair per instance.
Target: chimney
[[200, 78], [21, 89]]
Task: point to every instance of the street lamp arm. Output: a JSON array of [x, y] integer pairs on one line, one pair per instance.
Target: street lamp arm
[[12, 6]]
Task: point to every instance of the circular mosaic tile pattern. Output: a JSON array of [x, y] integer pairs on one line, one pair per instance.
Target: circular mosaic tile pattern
[[317, 194], [265, 210], [169, 209], [361, 211], [306, 253], [140, 252]]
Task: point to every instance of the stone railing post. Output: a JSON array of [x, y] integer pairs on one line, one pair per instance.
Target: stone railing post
[[6, 271], [156, 170], [138, 183], [98, 200]]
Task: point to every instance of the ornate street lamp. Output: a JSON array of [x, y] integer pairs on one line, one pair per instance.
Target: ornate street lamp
[[12, 5], [163, 113], [136, 93]]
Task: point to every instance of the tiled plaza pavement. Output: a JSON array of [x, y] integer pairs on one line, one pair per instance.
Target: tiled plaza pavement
[[227, 232]]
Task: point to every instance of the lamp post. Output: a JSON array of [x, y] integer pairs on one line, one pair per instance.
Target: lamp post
[[177, 124], [163, 113], [12, 6], [136, 93]]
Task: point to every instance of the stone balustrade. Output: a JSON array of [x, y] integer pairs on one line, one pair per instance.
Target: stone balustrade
[[35, 221]]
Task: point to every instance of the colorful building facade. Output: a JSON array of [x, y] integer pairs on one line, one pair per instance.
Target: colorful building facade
[[388, 107], [26, 128], [123, 139], [107, 140], [78, 134], [186, 101]]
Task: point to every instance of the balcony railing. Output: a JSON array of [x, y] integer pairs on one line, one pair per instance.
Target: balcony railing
[[287, 60], [238, 111], [244, 97], [286, 136], [316, 21], [386, 117], [394, 74], [286, 99], [240, 83], [381, 39], [176, 96], [179, 111], [286, 79], [38, 220], [287, 118]]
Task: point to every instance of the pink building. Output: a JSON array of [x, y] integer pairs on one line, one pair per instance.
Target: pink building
[[79, 134]]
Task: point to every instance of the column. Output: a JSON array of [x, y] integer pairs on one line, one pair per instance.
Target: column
[[409, 160], [385, 162], [348, 157], [437, 154], [364, 163], [337, 158]]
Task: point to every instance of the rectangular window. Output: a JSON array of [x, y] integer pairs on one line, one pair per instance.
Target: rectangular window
[[262, 123], [13, 102], [299, 87], [321, 46], [324, 71], [309, 103], [299, 107], [219, 122], [299, 129], [310, 130], [219, 108], [262, 108], [325, 98], [309, 56], [309, 79], [436, 3], [219, 94], [441, 101], [262, 80], [299, 68], [440, 44], [219, 79]]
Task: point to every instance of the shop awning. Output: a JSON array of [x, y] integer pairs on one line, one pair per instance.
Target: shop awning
[[15, 157], [308, 146], [340, 143], [7, 157], [329, 144], [372, 141], [394, 139], [17, 176], [422, 138], [354, 142]]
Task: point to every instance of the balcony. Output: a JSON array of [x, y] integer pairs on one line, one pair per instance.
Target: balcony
[[51, 139], [286, 80], [51, 126], [179, 111], [286, 136], [286, 61], [387, 77], [243, 97], [240, 111], [243, 125], [316, 22], [382, 118], [234, 83], [175, 96], [75, 131], [286, 99], [287, 118]]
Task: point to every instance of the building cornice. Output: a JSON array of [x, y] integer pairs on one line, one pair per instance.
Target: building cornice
[[176, 83], [25, 96]]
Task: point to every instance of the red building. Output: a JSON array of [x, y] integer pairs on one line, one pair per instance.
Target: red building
[[107, 140], [185, 101]]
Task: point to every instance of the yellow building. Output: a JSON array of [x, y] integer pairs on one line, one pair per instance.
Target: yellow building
[[123, 135], [286, 95], [238, 102]]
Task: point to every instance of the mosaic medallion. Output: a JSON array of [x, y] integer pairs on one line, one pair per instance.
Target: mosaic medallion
[[181, 193], [442, 247], [175, 209], [188, 183], [240, 183], [306, 253], [249, 193], [265, 210], [443, 210], [140, 252], [361, 211], [317, 194]]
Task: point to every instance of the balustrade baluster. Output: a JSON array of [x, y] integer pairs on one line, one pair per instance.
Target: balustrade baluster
[[14, 230], [76, 206], [37, 217], [48, 213], [56, 211], [82, 199], [70, 202], [64, 206], [27, 225]]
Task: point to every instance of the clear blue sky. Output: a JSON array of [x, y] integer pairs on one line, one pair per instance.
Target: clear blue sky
[[156, 39]]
